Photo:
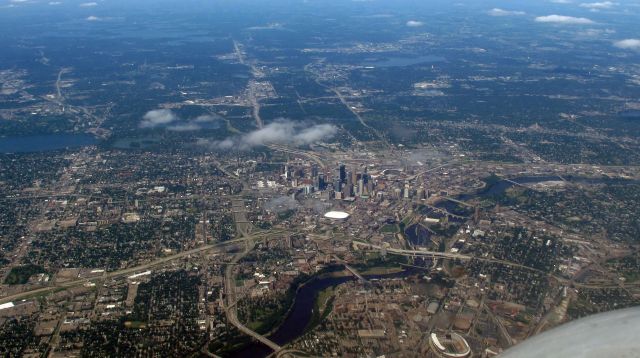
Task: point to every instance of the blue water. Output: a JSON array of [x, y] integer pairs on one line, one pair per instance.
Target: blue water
[[301, 313], [633, 114], [403, 61], [45, 143]]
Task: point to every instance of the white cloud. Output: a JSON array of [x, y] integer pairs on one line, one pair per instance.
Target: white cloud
[[207, 121], [278, 132], [628, 44], [157, 117], [414, 23], [55, 3], [598, 5], [501, 12], [93, 18], [560, 19], [166, 118], [561, 1], [88, 4]]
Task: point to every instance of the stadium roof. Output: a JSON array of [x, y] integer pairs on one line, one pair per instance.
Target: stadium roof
[[340, 215]]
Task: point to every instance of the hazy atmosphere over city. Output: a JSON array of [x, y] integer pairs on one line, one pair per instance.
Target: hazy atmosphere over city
[[319, 178]]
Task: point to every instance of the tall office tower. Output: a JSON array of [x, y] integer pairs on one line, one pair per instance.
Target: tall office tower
[[343, 173], [347, 190], [321, 182], [354, 176], [337, 185], [407, 191], [314, 171], [286, 171], [397, 193], [361, 187]]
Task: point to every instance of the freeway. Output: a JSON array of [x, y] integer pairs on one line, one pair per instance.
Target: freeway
[[343, 100], [311, 156], [131, 270], [353, 271], [230, 309], [231, 312], [445, 255], [430, 170], [233, 319]]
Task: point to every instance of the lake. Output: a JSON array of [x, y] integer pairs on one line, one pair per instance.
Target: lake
[[45, 143], [402, 61]]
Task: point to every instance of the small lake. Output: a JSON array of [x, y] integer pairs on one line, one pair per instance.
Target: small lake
[[402, 61], [45, 143], [631, 114]]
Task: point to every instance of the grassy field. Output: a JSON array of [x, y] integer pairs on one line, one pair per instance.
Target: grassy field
[[381, 270], [390, 229]]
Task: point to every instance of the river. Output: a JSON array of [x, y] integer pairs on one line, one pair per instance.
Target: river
[[501, 186], [301, 313]]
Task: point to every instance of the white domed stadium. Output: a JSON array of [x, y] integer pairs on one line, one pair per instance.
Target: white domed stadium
[[337, 215]]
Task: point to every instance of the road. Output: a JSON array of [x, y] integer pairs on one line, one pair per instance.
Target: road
[[503, 330], [359, 117], [313, 157], [255, 111], [446, 255], [58, 88], [131, 270], [243, 227], [230, 307], [353, 271]]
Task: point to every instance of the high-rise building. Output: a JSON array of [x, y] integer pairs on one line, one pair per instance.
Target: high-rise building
[[397, 193], [322, 185], [348, 188], [337, 185], [343, 173]]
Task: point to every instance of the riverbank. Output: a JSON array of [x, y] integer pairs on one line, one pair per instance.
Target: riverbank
[[300, 317]]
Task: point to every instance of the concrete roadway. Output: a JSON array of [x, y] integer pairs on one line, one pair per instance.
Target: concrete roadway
[[131, 270], [446, 255], [311, 156], [230, 307]]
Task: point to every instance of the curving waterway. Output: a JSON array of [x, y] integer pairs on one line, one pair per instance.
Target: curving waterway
[[301, 313]]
